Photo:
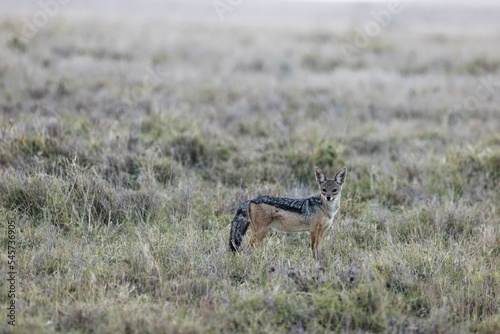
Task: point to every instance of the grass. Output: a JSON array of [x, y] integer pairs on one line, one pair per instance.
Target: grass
[[122, 186]]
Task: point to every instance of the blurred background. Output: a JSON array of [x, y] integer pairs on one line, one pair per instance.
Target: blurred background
[[287, 83]]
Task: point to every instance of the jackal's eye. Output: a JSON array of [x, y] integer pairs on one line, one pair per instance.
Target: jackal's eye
[[335, 191], [324, 190]]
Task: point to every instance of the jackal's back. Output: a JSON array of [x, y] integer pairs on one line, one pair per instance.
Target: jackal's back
[[304, 207]]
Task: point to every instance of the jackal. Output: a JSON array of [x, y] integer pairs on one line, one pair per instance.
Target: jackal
[[313, 214]]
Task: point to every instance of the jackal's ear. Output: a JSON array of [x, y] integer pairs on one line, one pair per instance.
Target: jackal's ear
[[320, 175], [340, 176]]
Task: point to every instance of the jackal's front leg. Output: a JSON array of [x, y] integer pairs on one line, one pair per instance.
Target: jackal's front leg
[[316, 236], [314, 244]]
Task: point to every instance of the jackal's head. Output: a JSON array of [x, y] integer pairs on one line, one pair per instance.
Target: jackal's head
[[330, 188]]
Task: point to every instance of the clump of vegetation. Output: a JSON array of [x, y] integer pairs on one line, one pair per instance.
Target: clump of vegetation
[[318, 63], [301, 162]]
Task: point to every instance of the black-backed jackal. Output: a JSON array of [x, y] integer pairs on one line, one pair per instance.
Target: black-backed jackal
[[314, 214]]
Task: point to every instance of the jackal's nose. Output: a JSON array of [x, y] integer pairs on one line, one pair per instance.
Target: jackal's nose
[[328, 198]]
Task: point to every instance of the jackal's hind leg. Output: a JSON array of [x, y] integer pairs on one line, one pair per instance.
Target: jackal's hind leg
[[258, 234], [260, 223]]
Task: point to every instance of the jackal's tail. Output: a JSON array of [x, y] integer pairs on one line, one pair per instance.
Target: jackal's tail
[[239, 226]]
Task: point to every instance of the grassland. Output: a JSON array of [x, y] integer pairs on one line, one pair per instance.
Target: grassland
[[127, 146]]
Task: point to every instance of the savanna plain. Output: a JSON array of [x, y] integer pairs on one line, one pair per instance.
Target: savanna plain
[[127, 146]]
